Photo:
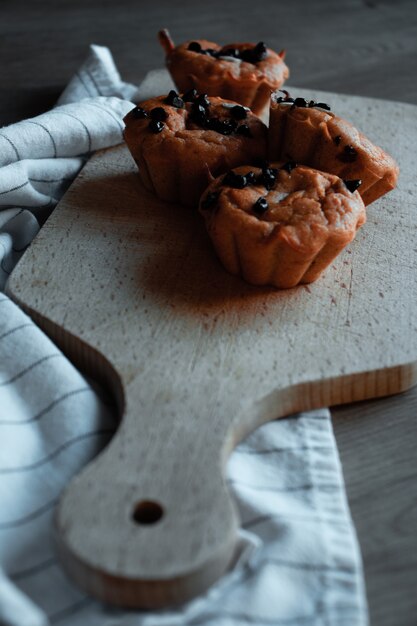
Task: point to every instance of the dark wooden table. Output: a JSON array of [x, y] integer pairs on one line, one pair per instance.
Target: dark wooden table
[[368, 48]]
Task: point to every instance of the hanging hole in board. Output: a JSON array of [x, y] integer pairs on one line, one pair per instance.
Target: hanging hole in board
[[147, 512]]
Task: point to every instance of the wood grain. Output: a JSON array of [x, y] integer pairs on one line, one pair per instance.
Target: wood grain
[[374, 53], [199, 358]]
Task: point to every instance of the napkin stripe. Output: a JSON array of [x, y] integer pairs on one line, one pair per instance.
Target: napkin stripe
[[70, 610], [26, 519], [52, 180], [248, 618], [34, 569], [18, 157], [84, 84], [56, 452], [48, 132], [280, 450], [29, 369], [93, 80], [74, 117], [2, 193], [112, 115], [15, 329], [306, 487], [6, 252], [307, 567], [261, 519], [46, 410]]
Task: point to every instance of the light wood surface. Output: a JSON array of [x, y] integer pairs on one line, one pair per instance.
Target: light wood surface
[[364, 47], [198, 358]]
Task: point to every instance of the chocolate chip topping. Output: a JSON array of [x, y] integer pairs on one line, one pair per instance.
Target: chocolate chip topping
[[238, 112], [174, 100], [352, 185], [260, 206], [158, 114], [268, 177], [300, 102], [194, 46], [237, 181], [156, 126], [337, 139], [253, 55], [244, 130], [190, 95], [349, 154], [289, 166], [210, 200], [139, 113]]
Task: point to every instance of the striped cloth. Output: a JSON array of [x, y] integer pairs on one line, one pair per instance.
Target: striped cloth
[[297, 560]]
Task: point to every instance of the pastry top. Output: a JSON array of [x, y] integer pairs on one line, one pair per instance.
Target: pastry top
[[297, 204], [339, 147], [195, 123], [236, 61]]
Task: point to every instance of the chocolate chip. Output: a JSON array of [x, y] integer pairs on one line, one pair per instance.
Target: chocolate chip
[[260, 206], [337, 139], [210, 200], [194, 46], [353, 185], [139, 113], [158, 114], [174, 100], [229, 52], [261, 163], [156, 126], [260, 51], [199, 114], [300, 102], [238, 112], [227, 127], [349, 154], [255, 54], [323, 105], [209, 51], [247, 55], [268, 177], [280, 100], [289, 166], [190, 95], [212, 123], [203, 100], [244, 130], [237, 181], [251, 178]]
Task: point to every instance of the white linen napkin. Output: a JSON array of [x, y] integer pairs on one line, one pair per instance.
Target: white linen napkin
[[297, 560]]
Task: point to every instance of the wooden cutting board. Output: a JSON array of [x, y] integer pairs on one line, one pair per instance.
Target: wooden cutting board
[[131, 290]]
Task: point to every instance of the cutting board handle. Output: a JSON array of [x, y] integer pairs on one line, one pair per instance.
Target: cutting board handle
[[142, 527]]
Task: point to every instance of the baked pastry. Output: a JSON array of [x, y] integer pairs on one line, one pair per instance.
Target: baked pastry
[[242, 72], [307, 132], [181, 142], [281, 225]]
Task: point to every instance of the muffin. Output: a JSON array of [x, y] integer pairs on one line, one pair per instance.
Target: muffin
[[243, 72], [181, 142], [281, 225], [307, 132]]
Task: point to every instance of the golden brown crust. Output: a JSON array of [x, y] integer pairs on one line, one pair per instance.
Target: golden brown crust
[[311, 217], [178, 163], [329, 143], [247, 83]]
